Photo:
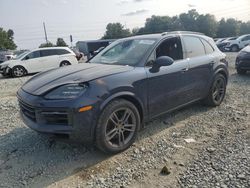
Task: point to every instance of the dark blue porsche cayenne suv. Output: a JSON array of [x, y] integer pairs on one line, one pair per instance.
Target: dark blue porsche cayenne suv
[[107, 100]]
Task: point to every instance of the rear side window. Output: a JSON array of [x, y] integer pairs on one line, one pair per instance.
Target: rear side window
[[45, 53], [62, 51], [194, 47], [209, 49]]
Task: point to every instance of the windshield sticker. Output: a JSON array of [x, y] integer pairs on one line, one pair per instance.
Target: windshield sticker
[[150, 42]]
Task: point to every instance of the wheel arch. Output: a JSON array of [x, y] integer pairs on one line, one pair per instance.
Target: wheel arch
[[129, 96], [237, 45], [64, 60], [223, 72]]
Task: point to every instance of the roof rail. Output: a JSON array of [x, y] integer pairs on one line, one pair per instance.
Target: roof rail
[[182, 32]]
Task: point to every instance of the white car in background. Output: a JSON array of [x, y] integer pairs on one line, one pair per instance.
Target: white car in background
[[237, 44], [38, 60]]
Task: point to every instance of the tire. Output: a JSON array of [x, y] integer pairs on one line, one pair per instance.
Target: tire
[[234, 48], [240, 71], [64, 63], [217, 91], [18, 71], [117, 126]]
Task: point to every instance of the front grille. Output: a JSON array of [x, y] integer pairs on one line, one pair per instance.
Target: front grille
[[28, 111], [55, 118]]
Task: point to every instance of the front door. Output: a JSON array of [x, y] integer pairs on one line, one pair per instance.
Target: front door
[[33, 62], [167, 87], [245, 41]]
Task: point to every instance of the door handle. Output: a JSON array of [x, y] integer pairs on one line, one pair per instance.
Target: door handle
[[184, 70]]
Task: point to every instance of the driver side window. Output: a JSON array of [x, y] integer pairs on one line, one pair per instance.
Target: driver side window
[[170, 47], [32, 55]]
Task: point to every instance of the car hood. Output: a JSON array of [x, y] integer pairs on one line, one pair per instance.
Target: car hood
[[43, 82], [246, 49], [6, 63]]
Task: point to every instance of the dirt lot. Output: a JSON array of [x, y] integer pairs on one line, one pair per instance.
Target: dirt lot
[[200, 147]]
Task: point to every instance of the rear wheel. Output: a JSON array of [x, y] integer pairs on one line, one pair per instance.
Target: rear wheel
[[217, 91], [18, 71], [117, 126], [240, 71], [64, 63]]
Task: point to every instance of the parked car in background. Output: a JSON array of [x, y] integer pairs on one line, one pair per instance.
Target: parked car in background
[[6, 55], [89, 47], [222, 43], [238, 43], [219, 40], [38, 60], [242, 63], [130, 82]]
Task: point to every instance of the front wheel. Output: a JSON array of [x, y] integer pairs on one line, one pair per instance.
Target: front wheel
[[217, 91], [18, 71], [117, 126]]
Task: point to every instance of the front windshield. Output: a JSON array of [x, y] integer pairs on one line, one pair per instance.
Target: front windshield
[[21, 55], [125, 52]]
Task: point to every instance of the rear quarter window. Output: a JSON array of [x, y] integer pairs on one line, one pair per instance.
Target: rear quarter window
[[208, 48], [62, 51], [193, 46]]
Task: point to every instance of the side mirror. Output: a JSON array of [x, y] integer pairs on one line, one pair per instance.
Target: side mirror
[[160, 62]]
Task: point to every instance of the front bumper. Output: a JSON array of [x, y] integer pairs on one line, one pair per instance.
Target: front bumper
[[242, 63], [222, 47], [48, 116], [5, 71]]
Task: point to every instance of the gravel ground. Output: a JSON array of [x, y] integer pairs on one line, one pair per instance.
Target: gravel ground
[[196, 147]]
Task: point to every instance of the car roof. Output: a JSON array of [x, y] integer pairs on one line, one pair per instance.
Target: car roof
[[51, 48], [159, 36]]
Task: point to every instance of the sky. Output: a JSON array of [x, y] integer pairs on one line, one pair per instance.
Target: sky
[[87, 19]]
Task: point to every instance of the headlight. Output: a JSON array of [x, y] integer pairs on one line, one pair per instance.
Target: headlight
[[68, 91]]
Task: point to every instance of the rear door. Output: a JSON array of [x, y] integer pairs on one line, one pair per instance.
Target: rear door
[[65, 55], [200, 64], [50, 59]]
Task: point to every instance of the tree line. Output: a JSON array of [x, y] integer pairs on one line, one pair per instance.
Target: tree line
[[59, 42], [6, 39], [190, 21]]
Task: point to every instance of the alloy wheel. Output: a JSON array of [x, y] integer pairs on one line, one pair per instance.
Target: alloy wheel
[[120, 127], [18, 72], [218, 90]]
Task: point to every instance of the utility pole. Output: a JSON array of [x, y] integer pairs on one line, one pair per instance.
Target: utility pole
[[71, 40], [46, 38]]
